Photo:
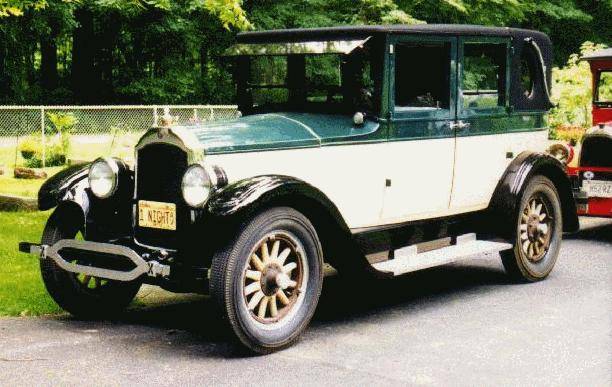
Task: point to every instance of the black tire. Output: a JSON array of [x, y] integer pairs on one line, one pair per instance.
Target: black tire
[[105, 300], [229, 278], [517, 261]]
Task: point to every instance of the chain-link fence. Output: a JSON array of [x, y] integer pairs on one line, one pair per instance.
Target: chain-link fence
[[44, 136]]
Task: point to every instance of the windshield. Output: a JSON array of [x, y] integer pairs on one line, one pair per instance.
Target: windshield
[[321, 82]]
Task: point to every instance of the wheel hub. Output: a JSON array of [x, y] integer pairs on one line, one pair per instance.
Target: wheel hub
[[269, 282], [532, 227]]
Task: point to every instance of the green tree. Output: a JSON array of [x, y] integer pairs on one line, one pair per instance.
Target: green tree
[[572, 91]]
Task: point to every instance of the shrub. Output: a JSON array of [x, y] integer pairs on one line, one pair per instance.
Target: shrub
[[55, 156], [30, 146], [569, 134], [572, 92]]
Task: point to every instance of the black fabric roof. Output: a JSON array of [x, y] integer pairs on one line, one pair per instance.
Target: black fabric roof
[[332, 33], [601, 54]]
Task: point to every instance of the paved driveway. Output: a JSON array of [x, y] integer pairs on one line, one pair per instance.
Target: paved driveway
[[462, 324]]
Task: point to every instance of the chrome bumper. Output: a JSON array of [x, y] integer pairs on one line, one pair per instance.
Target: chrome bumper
[[53, 252]]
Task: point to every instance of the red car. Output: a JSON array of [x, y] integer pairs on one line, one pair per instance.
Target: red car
[[592, 178]]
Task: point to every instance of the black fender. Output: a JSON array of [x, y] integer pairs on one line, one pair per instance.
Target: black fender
[[510, 188], [102, 219], [246, 197], [63, 186]]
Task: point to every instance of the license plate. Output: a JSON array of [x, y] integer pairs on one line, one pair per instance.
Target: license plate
[[597, 188], [157, 215]]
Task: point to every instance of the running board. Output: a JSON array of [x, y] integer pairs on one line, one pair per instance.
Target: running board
[[408, 260]]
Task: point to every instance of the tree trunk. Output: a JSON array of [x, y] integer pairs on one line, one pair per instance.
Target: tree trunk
[[48, 63], [105, 55], [83, 55], [3, 77]]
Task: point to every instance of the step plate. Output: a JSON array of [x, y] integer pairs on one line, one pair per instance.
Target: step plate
[[406, 260]]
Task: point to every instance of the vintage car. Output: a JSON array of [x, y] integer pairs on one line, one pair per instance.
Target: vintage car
[[379, 150], [592, 173]]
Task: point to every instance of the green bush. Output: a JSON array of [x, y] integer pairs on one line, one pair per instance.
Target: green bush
[[30, 147], [57, 142], [572, 92], [55, 156]]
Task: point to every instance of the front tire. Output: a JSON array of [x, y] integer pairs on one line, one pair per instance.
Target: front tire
[[82, 296], [268, 279], [538, 233]]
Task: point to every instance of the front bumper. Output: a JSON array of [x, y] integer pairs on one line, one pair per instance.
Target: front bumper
[[130, 267]]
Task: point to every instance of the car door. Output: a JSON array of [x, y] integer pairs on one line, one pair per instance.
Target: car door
[[484, 146], [420, 152]]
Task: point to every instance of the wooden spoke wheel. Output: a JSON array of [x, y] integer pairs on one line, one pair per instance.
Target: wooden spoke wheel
[[274, 277], [267, 280], [535, 228], [538, 232]]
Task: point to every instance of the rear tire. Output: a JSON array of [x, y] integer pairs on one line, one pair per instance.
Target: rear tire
[[538, 232], [81, 296], [267, 280]]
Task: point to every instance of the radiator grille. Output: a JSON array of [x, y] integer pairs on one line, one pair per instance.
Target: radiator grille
[[160, 168], [596, 152]]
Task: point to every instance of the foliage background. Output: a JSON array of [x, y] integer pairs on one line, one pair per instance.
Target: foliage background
[[166, 51]]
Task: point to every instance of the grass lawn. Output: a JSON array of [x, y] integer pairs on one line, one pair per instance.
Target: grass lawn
[[22, 292], [83, 148], [23, 187]]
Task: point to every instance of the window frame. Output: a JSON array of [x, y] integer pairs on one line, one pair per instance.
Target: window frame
[[462, 112], [404, 113], [597, 84]]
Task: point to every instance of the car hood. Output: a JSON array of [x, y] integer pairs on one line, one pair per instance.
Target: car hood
[[278, 131]]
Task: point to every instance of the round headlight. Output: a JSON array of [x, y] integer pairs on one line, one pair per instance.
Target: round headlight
[[103, 176], [196, 186]]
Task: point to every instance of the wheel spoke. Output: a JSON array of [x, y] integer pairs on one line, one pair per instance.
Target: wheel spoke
[[265, 254], [255, 300], [288, 268], [257, 262], [273, 307], [254, 275], [523, 227], [263, 306], [536, 249], [538, 209], [526, 246], [283, 256], [524, 236], [542, 241], [291, 284], [274, 253], [252, 288], [282, 297]]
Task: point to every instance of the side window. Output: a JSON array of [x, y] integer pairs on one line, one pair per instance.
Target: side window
[[483, 76], [323, 78], [268, 78], [604, 87], [422, 75]]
